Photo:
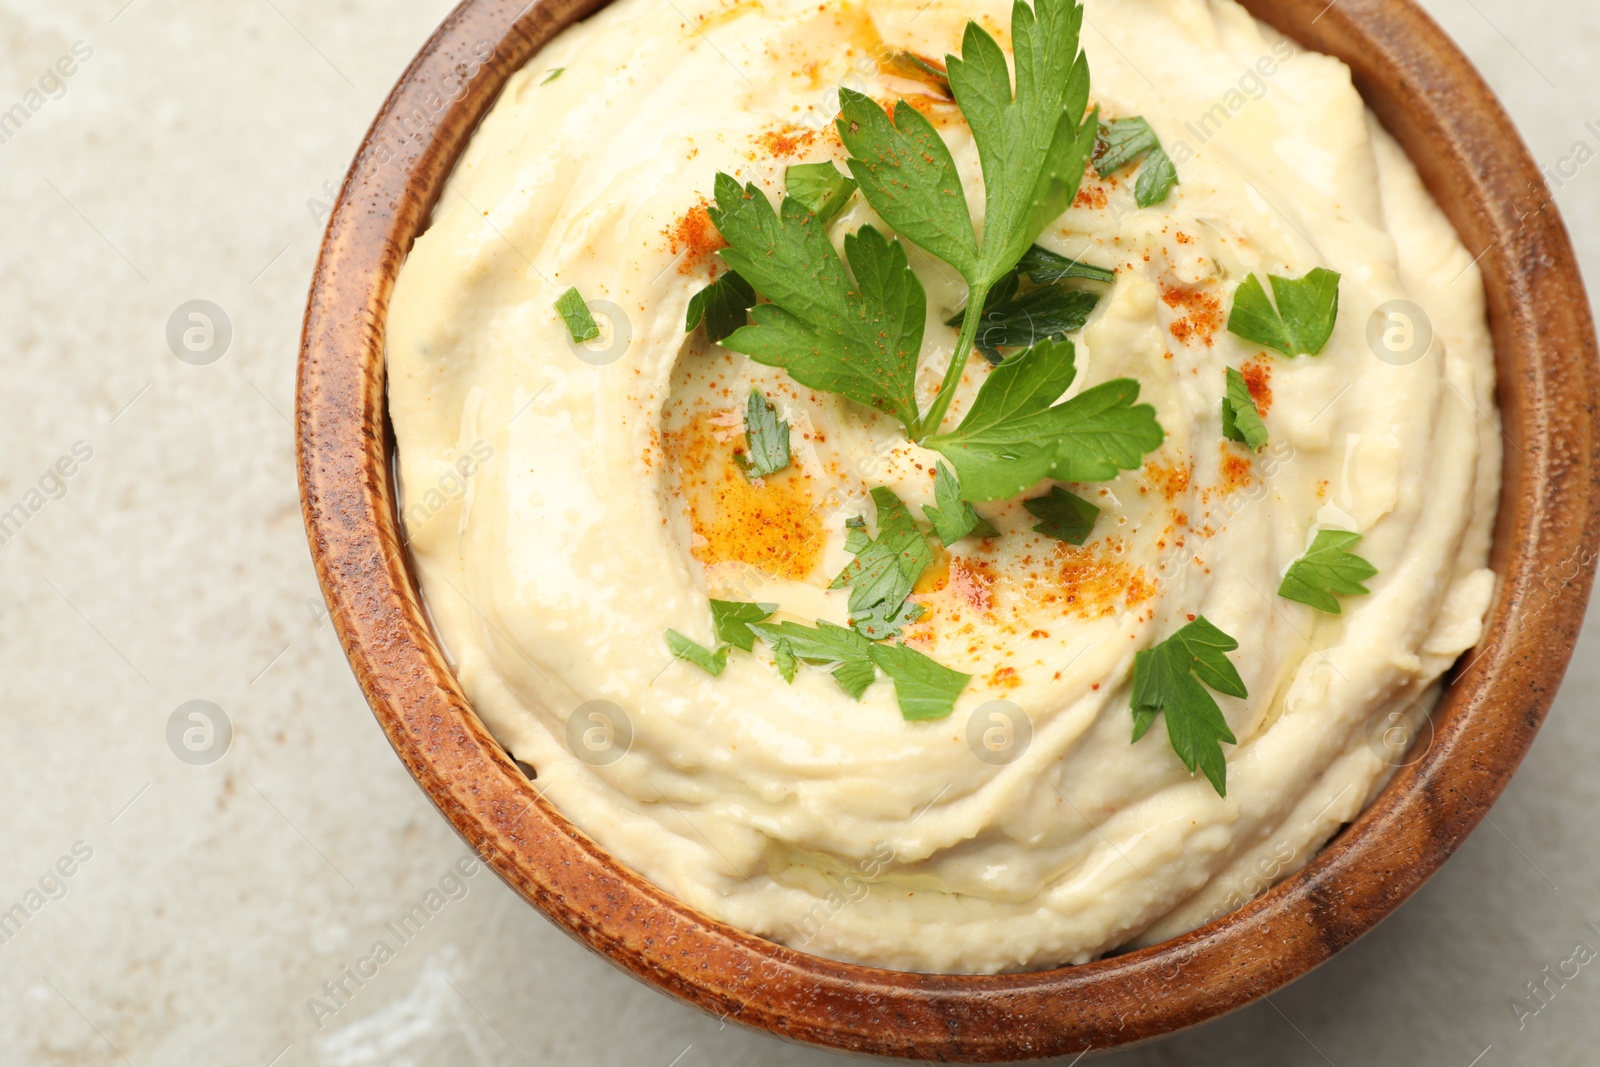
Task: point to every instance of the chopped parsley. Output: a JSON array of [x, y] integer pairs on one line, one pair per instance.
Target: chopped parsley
[[711, 662], [954, 518], [1167, 679], [924, 689], [1124, 142], [1241, 419], [575, 313], [1327, 570], [885, 570], [731, 620], [783, 658], [1302, 322], [766, 438], [820, 187], [722, 306], [553, 75], [1065, 516], [838, 647]]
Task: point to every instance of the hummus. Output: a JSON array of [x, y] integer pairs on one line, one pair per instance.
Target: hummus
[[566, 504]]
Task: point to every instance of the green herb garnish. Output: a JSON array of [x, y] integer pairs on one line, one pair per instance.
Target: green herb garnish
[[859, 337], [723, 306], [885, 570], [839, 647], [924, 689], [731, 620], [1043, 266], [766, 438], [575, 313], [1012, 438], [553, 75], [1167, 679], [1327, 568], [1066, 516], [1033, 146], [820, 187], [784, 659], [854, 325], [1241, 419], [954, 518], [1301, 323], [1124, 142], [702, 657], [1047, 313]]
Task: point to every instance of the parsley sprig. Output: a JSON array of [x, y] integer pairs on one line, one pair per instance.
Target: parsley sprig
[[1034, 146], [853, 325]]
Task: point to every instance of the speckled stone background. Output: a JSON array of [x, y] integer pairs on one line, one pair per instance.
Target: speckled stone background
[[190, 156]]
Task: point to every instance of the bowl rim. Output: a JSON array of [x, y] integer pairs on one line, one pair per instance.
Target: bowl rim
[[1472, 159]]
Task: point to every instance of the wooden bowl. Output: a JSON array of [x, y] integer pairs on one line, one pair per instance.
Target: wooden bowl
[[1469, 154]]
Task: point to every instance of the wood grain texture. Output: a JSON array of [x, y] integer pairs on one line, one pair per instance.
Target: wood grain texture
[[1472, 159]]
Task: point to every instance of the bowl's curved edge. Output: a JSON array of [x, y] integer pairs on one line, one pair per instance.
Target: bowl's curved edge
[[1551, 515]]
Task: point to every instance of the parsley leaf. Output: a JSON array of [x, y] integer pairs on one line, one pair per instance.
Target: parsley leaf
[[730, 620], [1067, 516], [1326, 569], [722, 305], [575, 313], [1044, 314], [1241, 420], [1124, 142], [846, 651], [1301, 323], [856, 537], [1011, 437], [783, 658], [1167, 679], [924, 688], [1033, 146], [905, 171], [858, 337], [1156, 179], [820, 187], [766, 438], [954, 518], [1043, 266], [886, 570], [702, 657]]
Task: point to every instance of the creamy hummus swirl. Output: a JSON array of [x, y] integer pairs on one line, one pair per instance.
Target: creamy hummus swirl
[[566, 505]]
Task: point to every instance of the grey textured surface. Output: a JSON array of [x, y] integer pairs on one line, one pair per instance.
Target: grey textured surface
[[186, 159]]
